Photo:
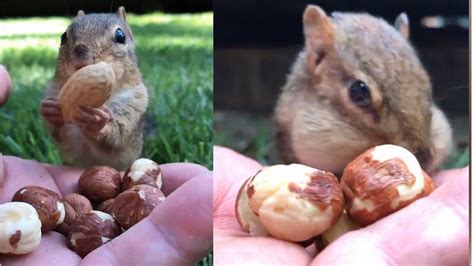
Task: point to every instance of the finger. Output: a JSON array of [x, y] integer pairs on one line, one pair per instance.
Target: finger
[[227, 182], [5, 85], [65, 177], [176, 174], [52, 251], [20, 173], [445, 176], [177, 232], [257, 251]]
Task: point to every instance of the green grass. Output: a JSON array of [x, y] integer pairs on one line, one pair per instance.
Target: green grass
[[175, 54]]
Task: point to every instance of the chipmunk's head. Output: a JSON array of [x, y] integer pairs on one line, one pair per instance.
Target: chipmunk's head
[[369, 86], [93, 38]]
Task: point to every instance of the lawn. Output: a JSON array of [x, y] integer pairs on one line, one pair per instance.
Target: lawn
[[175, 54]]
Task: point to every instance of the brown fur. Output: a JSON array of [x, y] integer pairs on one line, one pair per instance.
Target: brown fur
[[120, 142], [317, 122]]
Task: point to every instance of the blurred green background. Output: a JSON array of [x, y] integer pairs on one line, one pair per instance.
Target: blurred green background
[[254, 135]]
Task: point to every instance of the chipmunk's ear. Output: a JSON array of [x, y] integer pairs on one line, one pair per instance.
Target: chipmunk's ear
[[402, 25], [318, 32], [121, 13], [80, 13]]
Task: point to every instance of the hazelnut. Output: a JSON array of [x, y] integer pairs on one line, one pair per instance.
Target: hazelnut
[[99, 183], [106, 206], [20, 228], [381, 181], [89, 86], [133, 205], [342, 226], [294, 202], [74, 205], [46, 202], [247, 219], [92, 230], [143, 171]]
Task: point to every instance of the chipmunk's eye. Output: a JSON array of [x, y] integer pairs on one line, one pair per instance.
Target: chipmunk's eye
[[64, 38], [360, 94], [119, 36]]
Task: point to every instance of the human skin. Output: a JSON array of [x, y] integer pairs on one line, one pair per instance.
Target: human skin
[[5, 85], [177, 232], [431, 231]]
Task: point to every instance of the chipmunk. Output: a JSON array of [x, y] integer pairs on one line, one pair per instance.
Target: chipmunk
[[112, 134], [357, 83]]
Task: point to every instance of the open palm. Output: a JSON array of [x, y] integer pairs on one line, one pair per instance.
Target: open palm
[[431, 231], [177, 232]]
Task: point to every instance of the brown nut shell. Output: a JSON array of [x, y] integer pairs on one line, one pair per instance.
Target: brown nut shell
[[381, 181], [100, 183], [46, 202], [142, 172], [247, 219], [89, 86], [106, 206], [92, 230], [133, 205], [74, 205]]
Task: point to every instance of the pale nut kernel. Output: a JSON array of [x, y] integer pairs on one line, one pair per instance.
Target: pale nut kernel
[[381, 181], [342, 226], [247, 219], [92, 230], [74, 205], [89, 86], [133, 205], [106, 206], [99, 183], [20, 228], [47, 203], [295, 202], [142, 172]]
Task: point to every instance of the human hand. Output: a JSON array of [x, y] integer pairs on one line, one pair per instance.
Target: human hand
[[177, 232], [5, 85], [431, 231]]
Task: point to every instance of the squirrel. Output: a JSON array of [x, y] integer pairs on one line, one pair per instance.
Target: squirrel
[[112, 134], [356, 84]]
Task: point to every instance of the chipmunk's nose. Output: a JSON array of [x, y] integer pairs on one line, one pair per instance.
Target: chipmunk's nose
[[81, 56], [425, 157]]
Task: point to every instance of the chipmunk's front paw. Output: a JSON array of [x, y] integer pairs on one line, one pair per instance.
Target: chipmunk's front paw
[[92, 120], [51, 112]]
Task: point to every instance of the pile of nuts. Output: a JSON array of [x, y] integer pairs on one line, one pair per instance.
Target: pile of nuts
[[298, 203], [119, 204]]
